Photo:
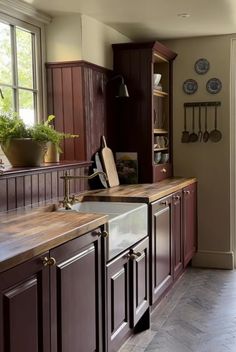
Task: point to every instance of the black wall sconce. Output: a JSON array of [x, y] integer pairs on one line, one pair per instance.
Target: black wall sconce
[[122, 89]]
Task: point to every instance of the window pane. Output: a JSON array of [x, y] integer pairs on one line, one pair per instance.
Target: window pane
[[6, 104], [26, 107], [5, 54], [24, 58]]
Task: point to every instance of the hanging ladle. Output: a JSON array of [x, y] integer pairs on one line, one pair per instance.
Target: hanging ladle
[[206, 133], [215, 135], [185, 133], [199, 125], [193, 137]]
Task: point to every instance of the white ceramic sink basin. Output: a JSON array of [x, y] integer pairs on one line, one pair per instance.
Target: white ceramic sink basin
[[127, 222]]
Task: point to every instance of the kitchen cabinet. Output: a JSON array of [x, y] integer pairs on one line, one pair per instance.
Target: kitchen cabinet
[[178, 260], [189, 221], [53, 302], [24, 308], [127, 292], [161, 247], [144, 121]]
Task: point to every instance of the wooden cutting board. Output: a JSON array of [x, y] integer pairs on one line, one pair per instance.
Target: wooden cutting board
[[109, 164]]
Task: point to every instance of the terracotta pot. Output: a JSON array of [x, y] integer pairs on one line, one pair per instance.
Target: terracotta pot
[[52, 155], [23, 152]]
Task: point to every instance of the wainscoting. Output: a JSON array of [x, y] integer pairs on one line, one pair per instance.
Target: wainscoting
[[22, 187]]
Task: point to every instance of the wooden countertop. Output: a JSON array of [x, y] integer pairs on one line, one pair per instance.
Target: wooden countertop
[[147, 193], [23, 236], [26, 233]]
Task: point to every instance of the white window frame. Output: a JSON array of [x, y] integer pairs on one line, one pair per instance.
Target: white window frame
[[25, 16]]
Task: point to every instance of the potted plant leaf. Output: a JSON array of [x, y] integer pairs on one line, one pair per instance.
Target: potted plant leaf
[[26, 146]]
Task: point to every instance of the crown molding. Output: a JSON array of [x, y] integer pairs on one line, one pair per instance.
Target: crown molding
[[10, 6]]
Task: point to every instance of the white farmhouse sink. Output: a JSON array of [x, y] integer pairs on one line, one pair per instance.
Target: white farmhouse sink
[[127, 222]]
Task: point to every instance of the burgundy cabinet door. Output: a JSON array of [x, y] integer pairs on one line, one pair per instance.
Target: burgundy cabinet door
[[139, 267], [177, 250], [190, 222], [76, 295], [161, 247], [118, 320], [24, 308]]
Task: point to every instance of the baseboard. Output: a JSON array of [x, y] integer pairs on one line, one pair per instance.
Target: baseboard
[[213, 259]]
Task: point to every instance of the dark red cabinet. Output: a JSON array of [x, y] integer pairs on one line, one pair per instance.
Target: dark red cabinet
[[127, 293], [161, 248], [189, 221], [76, 295], [55, 305], [178, 260], [24, 308]]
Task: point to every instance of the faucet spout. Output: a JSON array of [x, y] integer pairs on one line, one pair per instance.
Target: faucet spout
[[67, 200]]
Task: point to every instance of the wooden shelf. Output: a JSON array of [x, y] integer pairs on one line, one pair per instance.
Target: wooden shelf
[[159, 93], [160, 131], [160, 149]]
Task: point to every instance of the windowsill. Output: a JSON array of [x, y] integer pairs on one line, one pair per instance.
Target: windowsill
[[14, 171]]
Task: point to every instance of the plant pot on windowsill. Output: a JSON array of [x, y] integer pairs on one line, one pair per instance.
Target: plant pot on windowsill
[[24, 152], [52, 154], [26, 146]]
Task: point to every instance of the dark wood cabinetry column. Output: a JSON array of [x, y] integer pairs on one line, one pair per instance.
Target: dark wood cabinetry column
[[77, 97]]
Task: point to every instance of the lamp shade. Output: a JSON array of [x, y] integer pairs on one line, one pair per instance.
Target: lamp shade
[[123, 91]]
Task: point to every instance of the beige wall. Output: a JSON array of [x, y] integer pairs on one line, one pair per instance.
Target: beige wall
[[79, 37], [96, 42], [209, 162], [64, 38]]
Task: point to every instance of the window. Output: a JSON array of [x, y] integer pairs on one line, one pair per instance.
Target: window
[[20, 63]]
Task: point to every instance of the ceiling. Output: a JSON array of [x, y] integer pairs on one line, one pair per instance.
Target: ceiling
[[152, 19]]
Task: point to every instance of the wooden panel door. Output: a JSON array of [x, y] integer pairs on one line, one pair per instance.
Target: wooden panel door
[[190, 222], [139, 267], [161, 248], [178, 260], [118, 318], [24, 308], [76, 295]]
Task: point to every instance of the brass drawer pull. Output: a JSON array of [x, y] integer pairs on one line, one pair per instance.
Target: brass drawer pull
[[49, 261], [104, 234], [176, 197], [134, 255], [187, 192], [164, 171], [165, 202]]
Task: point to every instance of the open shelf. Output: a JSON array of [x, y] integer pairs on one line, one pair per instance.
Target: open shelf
[[159, 93], [160, 131], [160, 149]]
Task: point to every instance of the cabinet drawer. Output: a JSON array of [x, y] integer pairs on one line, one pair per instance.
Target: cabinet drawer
[[162, 171]]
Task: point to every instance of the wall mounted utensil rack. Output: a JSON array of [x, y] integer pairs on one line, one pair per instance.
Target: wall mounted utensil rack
[[202, 103], [201, 136]]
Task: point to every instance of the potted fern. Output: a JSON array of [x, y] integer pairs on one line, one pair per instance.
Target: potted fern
[[26, 146]]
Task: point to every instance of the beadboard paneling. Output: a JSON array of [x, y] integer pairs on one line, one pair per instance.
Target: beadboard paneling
[[30, 187]]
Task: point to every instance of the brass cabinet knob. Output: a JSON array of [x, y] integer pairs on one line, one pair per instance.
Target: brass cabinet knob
[[49, 261], [176, 197], [164, 170], [104, 234], [133, 255]]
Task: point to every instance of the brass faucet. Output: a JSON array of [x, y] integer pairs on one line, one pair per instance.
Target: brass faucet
[[68, 200]]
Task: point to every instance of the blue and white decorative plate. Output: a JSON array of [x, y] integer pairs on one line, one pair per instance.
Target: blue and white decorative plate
[[190, 86], [202, 66], [213, 86]]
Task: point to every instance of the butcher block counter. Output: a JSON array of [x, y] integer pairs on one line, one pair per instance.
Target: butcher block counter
[[24, 235], [28, 233], [147, 193]]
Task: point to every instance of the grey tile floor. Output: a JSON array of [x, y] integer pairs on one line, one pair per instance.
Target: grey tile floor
[[198, 315]]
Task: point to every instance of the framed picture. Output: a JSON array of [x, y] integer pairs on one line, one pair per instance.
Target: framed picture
[[127, 167]]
